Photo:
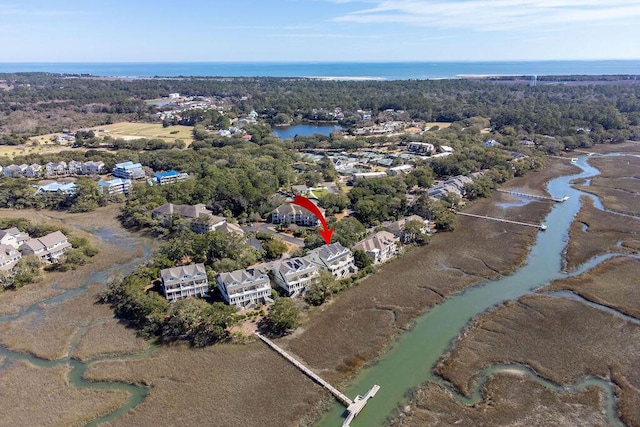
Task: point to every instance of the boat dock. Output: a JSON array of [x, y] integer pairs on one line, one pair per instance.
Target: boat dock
[[535, 196], [538, 226], [353, 406]]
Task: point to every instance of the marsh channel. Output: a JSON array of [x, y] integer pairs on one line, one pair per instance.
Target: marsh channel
[[409, 361]]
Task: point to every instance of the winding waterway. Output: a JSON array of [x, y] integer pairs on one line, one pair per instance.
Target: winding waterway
[[409, 362], [136, 393]]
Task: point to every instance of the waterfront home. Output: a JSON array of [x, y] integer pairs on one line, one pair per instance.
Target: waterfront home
[[294, 275], [57, 189], [244, 288], [185, 281], [48, 248], [14, 171], [33, 171], [115, 186], [74, 167], [454, 185], [334, 258], [13, 237], [53, 169], [92, 168], [170, 177], [9, 257], [294, 214], [128, 170], [380, 247], [201, 220], [397, 228]]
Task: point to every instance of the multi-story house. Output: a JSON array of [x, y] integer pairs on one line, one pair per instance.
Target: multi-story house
[[185, 281], [244, 287], [380, 247], [294, 214], [33, 171], [48, 248], [92, 168], [201, 220], [13, 237], [14, 171], [334, 258], [398, 229], [115, 186], [74, 167], [399, 170], [9, 257], [57, 188], [128, 170], [54, 169], [422, 147], [170, 177], [294, 275]]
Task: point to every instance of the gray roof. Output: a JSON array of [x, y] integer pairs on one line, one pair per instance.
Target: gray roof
[[240, 276], [53, 238], [292, 265], [176, 273], [329, 252], [189, 211], [380, 240]]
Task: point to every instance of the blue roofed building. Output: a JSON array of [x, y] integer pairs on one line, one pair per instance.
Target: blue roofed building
[[169, 177], [57, 188], [128, 170]]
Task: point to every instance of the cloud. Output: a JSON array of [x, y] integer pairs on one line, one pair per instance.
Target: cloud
[[493, 15]]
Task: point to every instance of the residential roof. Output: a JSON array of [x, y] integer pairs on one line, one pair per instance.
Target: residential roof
[[398, 226], [166, 174], [189, 211], [114, 181], [380, 240], [228, 227], [289, 208], [56, 186], [128, 165], [330, 252], [177, 273], [240, 276], [292, 265], [53, 238]]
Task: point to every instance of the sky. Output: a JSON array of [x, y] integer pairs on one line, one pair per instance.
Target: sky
[[317, 30]]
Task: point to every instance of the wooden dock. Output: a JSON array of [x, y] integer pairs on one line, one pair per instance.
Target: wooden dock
[[508, 221], [353, 406], [535, 196]]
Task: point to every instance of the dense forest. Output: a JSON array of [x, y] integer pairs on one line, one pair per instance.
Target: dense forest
[[37, 103]]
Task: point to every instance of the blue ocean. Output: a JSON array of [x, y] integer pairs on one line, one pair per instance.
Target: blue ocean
[[331, 70]]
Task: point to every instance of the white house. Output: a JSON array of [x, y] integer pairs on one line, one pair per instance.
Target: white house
[[13, 237], [185, 281], [294, 275], [9, 257], [294, 214], [201, 220], [115, 186], [74, 167], [397, 228], [399, 170], [244, 287], [53, 169], [333, 258], [380, 247], [422, 147], [48, 248], [163, 178], [128, 170], [92, 168], [33, 171]]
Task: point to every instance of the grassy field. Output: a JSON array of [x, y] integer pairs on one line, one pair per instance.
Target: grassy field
[[509, 400], [441, 125], [561, 339], [42, 146], [33, 396], [121, 341], [145, 130]]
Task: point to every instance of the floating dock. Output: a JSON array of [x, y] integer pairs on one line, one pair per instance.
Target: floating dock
[[353, 406]]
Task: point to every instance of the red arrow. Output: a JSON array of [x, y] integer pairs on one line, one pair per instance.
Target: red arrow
[[310, 206]]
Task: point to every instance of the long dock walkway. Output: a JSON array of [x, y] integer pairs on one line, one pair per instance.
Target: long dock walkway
[[538, 226], [535, 196], [353, 406], [339, 395]]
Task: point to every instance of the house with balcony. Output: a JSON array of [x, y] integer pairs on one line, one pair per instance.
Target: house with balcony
[[334, 258], [14, 171], [33, 171], [294, 275], [9, 257], [244, 288], [92, 168], [294, 214], [170, 177], [421, 147], [13, 237], [128, 170], [397, 228], [54, 169], [201, 220], [74, 167], [115, 186], [380, 247], [184, 282], [57, 188], [48, 248]]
